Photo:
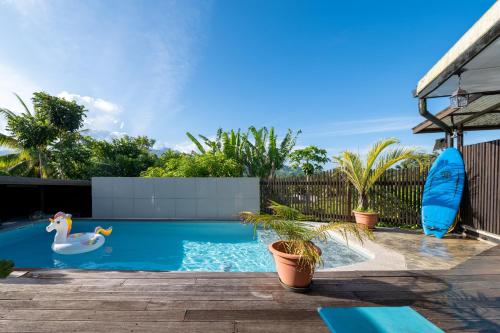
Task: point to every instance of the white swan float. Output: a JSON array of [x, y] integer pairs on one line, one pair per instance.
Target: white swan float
[[66, 243]]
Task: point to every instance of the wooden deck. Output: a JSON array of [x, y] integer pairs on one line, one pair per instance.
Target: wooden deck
[[464, 299]]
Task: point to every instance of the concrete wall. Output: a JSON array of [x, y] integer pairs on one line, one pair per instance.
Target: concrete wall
[[213, 198]]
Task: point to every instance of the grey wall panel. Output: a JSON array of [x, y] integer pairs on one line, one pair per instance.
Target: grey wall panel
[[211, 198]]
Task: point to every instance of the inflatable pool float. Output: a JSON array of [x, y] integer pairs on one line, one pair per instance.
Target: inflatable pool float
[[442, 193], [66, 243]]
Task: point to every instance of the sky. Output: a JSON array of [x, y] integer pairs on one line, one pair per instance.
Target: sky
[[340, 71]]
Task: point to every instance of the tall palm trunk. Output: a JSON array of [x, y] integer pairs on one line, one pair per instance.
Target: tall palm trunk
[[40, 164], [363, 201]]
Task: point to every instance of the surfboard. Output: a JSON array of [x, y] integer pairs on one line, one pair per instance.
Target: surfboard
[[443, 192]]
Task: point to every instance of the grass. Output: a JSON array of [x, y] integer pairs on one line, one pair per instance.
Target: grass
[[385, 224]]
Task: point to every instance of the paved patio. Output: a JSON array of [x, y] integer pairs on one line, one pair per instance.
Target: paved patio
[[423, 252], [463, 299]]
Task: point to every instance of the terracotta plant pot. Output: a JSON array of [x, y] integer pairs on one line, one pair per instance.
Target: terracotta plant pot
[[291, 273], [368, 219]]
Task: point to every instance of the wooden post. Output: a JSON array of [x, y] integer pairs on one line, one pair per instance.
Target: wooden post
[[460, 139]]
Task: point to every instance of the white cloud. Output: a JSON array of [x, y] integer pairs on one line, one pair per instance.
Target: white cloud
[[133, 50], [367, 126], [184, 147], [103, 117]]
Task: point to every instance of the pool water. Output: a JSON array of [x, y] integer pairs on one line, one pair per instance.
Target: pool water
[[161, 245]]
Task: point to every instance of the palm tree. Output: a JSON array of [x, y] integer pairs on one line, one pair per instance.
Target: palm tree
[[363, 174], [28, 143], [18, 161], [264, 156]]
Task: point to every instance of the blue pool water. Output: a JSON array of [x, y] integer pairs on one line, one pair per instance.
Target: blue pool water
[[160, 245]]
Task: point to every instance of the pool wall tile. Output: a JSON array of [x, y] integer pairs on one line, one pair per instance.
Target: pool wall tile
[[122, 187], [102, 207], [101, 188], [206, 188], [227, 188], [224, 198], [123, 207], [226, 208], [164, 208], [164, 187], [247, 188], [185, 188], [144, 207], [185, 208], [144, 188], [247, 204], [207, 208]]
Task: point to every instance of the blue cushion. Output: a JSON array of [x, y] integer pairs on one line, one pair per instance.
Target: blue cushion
[[376, 320]]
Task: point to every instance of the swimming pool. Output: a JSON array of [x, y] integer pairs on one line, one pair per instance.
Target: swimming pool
[[215, 246]]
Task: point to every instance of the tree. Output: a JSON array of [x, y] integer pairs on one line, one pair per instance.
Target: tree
[[310, 159], [65, 116], [122, 157], [363, 174], [176, 164], [31, 134], [257, 151], [72, 157]]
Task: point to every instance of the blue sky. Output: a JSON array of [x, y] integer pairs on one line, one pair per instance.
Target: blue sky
[[342, 71]]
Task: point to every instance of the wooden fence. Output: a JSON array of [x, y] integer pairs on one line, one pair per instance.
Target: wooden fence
[[328, 196], [481, 204]]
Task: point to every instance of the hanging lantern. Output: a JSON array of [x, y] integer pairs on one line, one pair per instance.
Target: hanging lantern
[[459, 98]]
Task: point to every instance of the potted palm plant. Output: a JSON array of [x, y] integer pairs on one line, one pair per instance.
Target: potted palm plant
[[295, 254], [363, 174]]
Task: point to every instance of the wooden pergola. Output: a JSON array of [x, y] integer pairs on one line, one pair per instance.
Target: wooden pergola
[[473, 65], [481, 114]]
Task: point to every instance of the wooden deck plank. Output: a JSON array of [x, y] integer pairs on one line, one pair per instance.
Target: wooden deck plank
[[464, 299], [162, 295], [280, 327], [266, 314], [74, 304], [92, 315], [184, 288], [112, 326]]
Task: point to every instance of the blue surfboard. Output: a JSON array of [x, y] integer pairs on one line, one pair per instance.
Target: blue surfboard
[[443, 192]]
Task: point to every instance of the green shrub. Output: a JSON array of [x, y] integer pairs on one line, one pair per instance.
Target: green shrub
[[6, 268]]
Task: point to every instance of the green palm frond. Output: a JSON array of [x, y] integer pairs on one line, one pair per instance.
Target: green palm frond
[[350, 165], [7, 113], [196, 143], [23, 168], [380, 158], [390, 159], [8, 142], [359, 232], [375, 152], [23, 104], [9, 160]]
